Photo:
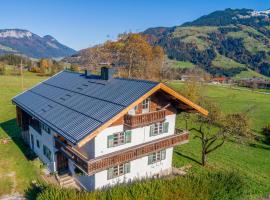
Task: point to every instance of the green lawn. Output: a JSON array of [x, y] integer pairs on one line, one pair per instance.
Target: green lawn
[[16, 171], [252, 160]]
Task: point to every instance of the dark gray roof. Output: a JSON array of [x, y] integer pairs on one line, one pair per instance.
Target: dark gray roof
[[74, 105]]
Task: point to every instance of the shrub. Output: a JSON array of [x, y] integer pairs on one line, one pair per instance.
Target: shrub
[[266, 130], [217, 185], [2, 69]]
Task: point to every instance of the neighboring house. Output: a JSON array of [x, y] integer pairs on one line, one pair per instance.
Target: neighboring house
[[192, 78], [102, 130], [220, 80], [255, 82]]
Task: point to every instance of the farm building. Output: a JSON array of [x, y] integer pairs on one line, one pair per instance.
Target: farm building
[[98, 131]]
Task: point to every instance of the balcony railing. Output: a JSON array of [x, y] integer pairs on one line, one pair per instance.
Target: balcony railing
[[140, 120], [92, 166], [79, 159]]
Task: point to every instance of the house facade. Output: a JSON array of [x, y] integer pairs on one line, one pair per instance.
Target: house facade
[[102, 130]]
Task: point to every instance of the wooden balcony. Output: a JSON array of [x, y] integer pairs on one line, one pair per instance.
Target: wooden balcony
[[92, 166], [79, 159], [134, 121]]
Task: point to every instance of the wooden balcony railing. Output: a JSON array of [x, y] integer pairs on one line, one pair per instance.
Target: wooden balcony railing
[[79, 159], [134, 121], [92, 166]]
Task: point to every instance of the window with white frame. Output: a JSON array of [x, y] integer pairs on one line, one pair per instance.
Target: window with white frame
[[145, 104], [118, 170], [46, 128], [159, 128], [156, 157], [119, 138], [47, 152]]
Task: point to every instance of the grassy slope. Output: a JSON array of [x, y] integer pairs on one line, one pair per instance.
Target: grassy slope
[[12, 159], [223, 62], [180, 64], [251, 160], [250, 74]]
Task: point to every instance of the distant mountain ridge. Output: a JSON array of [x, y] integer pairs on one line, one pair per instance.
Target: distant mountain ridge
[[24, 42], [224, 42]]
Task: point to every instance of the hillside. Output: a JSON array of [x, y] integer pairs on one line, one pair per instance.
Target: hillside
[[17, 41], [223, 42]]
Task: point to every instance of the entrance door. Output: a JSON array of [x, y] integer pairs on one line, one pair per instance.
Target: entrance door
[[62, 163]]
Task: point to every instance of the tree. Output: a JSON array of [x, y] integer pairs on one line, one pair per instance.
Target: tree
[[2, 68], [75, 68], [216, 128]]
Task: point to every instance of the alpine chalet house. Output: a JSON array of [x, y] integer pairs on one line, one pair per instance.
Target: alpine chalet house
[[100, 130]]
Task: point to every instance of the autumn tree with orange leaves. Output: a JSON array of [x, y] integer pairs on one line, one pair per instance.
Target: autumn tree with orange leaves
[[131, 55]]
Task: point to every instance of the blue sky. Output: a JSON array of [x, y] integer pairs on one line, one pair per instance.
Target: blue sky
[[81, 23]]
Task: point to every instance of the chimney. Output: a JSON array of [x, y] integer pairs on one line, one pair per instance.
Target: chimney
[[87, 73], [107, 73]]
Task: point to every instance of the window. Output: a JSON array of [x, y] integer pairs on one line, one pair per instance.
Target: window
[[46, 128], [35, 124], [145, 104], [38, 144], [47, 152], [159, 128], [119, 138], [118, 170], [156, 157]]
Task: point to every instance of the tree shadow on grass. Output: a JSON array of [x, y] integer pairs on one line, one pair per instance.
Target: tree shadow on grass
[[14, 132], [188, 157], [34, 190]]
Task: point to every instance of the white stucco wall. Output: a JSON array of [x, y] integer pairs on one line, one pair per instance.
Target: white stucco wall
[[138, 136], [44, 139], [138, 169]]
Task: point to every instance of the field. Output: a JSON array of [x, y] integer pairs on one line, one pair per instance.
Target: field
[[16, 171], [250, 160]]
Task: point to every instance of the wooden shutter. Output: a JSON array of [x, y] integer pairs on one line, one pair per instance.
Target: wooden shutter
[[152, 128], [165, 127], [163, 154], [110, 141], [110, 173], [127, 136], [127, 168]]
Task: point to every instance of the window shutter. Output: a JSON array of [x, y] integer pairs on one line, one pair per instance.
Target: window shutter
[[127, 168], [152, 128], [127, 136], [110, 141], [110, 173], [150, 159], [165, 127], [163, 154]]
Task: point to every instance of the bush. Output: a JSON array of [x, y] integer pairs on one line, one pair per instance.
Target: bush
[[217, 185], [266, 132], [2, 69]]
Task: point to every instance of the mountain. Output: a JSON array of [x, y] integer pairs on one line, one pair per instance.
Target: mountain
[[18, 41], [228, 42]]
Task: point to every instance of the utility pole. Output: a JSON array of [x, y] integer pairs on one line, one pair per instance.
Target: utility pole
[[21, 69]]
